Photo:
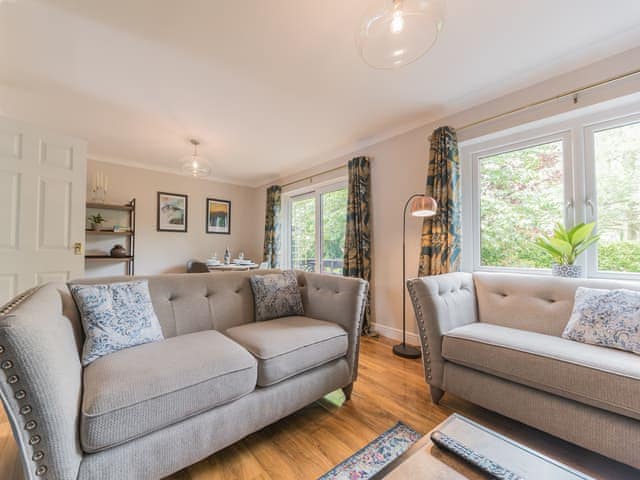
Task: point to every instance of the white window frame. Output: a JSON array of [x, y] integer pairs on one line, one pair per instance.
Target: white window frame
[[314, 191], [505, 145], [591, 212], [576, 130]]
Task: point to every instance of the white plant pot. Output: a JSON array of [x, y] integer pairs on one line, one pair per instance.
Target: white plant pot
[[567, 271]]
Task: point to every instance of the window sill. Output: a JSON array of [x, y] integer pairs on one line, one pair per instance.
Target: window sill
[[619, 276]]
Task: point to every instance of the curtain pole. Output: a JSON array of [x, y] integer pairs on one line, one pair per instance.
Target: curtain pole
[[537, 103]]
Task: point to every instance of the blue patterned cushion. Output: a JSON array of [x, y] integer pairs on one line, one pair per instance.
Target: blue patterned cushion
[[115, 316], [276, 295], [609, 318]]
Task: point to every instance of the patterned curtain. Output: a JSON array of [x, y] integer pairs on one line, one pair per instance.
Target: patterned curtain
[[272, 227], [441, 234], [357, 248]]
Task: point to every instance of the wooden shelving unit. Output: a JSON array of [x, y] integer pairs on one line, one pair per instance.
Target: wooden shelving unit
[[110, 206], [107, 258], [129, 236], [108, 232]]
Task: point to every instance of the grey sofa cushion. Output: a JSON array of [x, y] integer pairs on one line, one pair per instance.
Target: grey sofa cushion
[[145, 388], [161, 453], [115, 316], [287, 346], [276, 295], [609, 318], [605, 378]]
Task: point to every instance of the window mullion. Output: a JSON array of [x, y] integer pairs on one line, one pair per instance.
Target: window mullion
[[319, 229], [285, 253]]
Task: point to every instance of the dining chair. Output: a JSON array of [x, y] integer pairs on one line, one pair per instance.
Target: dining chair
[[195, 266]]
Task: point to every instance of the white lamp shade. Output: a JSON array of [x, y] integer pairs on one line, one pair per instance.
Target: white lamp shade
[[397, 32], [194, 164], [423, 207]]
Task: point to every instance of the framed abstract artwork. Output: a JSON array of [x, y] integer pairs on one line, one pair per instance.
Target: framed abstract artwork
[[218, 216], [172, 212]]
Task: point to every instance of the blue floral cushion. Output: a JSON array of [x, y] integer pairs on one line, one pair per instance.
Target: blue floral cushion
[[115, 316], [276, 295], [609, 318]]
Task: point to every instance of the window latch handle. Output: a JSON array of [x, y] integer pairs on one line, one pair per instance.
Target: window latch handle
[[569, 205], [592, 209]]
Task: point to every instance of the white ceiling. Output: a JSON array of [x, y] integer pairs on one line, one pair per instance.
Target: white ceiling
[[272, 86]]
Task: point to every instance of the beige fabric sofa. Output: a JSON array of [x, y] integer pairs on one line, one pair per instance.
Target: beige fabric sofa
[[495, 339], [151, 410]]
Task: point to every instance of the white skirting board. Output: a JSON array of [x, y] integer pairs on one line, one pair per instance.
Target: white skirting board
[[395, 333]]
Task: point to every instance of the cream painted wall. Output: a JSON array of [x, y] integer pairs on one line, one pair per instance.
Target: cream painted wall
[[399, 169], [164, 252]]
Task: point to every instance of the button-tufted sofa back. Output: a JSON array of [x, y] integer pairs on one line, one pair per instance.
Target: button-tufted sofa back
[[536, 303], [187, 303]]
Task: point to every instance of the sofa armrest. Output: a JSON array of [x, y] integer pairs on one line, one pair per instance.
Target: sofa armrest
[[441, 303], [339, 300], [41, 381]]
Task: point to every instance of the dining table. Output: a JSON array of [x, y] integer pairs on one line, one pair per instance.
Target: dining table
[[233, 267]]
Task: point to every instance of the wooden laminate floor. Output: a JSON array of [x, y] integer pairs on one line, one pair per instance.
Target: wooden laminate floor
[[312, 441]]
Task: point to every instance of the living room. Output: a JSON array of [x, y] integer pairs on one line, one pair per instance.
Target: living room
[[367, 239]]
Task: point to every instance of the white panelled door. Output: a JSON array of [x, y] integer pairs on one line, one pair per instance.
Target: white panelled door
[[42, 207]]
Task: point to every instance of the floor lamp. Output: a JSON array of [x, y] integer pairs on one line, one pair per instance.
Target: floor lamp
[[421, 206]]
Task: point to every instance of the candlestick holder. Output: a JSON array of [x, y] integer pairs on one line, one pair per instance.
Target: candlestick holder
[[99, 187], [98, 195]]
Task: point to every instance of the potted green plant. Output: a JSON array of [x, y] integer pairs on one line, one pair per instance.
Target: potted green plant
[[565, 246], [95, 221]]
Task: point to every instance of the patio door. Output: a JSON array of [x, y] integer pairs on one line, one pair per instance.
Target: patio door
[[316, 229]]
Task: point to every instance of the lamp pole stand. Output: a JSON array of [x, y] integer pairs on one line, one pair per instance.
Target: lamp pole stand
[[402, 349]]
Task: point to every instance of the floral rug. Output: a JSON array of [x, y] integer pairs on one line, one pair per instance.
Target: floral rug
[[376, 455]]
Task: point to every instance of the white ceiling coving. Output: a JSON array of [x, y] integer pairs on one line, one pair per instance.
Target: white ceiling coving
[[272, 86]]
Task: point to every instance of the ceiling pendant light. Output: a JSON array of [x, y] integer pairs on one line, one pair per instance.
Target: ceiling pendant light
[[400, 32], [195, 165]]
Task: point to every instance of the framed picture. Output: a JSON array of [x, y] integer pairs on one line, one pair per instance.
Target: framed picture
[[218, 216], [172, 212]]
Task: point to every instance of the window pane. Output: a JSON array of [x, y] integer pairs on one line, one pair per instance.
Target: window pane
[[303, 234], [334, 220], [521, 197], [617, 157]]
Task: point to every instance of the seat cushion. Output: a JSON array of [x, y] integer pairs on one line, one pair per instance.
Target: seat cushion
[[598, 376], [287, 346], [145, 388]]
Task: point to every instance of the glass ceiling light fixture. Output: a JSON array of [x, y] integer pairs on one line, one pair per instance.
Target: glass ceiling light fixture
[[194, 164], [399, 32]]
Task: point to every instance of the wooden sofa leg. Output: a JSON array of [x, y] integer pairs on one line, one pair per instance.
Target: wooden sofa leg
[[436, 394], [347, 391]]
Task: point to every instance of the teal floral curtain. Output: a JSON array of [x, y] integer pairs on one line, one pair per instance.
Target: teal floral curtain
[[442, 234], [272, 226], [357, 250]]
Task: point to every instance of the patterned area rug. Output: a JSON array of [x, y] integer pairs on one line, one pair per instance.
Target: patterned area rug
[[376, 455]]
